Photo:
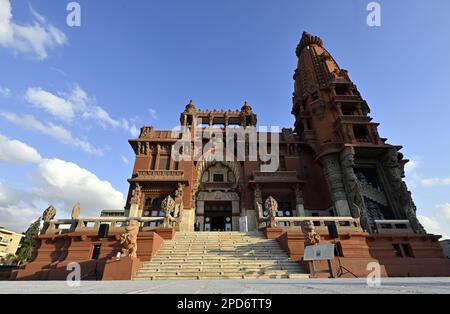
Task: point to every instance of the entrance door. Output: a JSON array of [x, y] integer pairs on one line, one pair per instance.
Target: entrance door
[[218, 216]]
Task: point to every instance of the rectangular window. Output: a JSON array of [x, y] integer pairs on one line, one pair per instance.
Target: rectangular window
[[218, 177], [407, 250], [96, 251], [397, 250], [153, 163]]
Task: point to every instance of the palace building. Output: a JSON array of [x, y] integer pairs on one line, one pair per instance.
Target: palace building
[[332, 168]]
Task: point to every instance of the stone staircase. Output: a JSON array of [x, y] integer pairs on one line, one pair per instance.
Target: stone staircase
[[220, 255]]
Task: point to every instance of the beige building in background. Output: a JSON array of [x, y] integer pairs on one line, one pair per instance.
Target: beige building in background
[[9, 242]]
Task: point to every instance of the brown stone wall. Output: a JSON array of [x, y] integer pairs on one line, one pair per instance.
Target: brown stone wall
[[361, 248], [54, 252]]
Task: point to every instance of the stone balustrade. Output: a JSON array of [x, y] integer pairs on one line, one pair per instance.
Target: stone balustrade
[[393, 226], [92, 224], [321, 223]]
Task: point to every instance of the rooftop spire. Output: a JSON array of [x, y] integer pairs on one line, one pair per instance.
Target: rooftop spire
[[308, 39]]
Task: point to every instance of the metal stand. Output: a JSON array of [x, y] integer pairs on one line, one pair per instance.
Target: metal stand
[[340, 271]]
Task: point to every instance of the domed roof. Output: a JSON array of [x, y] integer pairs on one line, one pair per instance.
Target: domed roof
[[246, 108], [190, 107]]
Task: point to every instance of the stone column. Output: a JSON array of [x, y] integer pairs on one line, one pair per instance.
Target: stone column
[[300, 208], [333, 175]]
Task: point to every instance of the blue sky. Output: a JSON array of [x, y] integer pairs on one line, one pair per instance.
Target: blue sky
[[139, 62]]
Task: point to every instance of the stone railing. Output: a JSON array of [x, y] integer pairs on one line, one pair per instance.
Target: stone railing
[[393, 226], [347, 98], [321, 223], [92, 224]]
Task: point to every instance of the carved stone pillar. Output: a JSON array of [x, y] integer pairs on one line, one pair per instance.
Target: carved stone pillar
[[333, 176], [258, 203], [299, 203], [135, 201], [355, 197], [399, 190]]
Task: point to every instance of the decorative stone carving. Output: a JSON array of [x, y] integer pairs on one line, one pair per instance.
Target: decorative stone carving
[[399, 190], [333, 176], [76, 211], [308, 39], [179, 202], [49, 214], [168, 206], [146, 131], [129, 239], [136, 194], [298, 195], [355, 196], [309, 232], [258, 203], [319, 108], [271, 206]]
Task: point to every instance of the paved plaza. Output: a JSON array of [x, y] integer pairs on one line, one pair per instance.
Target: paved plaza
[[276, 286]]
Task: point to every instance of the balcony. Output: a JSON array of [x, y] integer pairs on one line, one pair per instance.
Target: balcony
[[346, 98], [158, 175]]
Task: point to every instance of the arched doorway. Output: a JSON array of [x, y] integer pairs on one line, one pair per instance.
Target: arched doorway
[[218, 200]]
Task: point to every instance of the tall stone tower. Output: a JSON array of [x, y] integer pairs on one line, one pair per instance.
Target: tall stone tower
[[364, 173]]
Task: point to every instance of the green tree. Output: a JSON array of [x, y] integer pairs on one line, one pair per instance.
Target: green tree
[[28, 243]]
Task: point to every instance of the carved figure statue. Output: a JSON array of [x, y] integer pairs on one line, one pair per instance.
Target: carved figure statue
[[355, 197], [49, 214], [76, 211], [168, 206], [271, 206], [309, 231], [400, 193], [129, 239], [136, 194]]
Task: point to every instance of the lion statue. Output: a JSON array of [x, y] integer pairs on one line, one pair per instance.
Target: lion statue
[[129, 239], [309, 231]]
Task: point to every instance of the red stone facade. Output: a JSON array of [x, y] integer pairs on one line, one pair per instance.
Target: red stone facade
[[334, 168]]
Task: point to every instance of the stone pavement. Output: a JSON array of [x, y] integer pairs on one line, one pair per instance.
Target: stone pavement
[[273, 286]]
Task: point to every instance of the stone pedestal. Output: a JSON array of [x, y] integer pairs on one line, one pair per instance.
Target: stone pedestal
[[123, 269], [273, 233], [166, 233]]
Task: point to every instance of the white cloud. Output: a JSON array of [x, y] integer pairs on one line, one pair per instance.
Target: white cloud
[[439, 223], [134, 131], [56, 131], [37, 38], [61, 181], [52, 104], [16, 151], [153, 113], [66, 106], [444, 211], [5, 92], [62, 184], [415, 178], [430, 182], [124, 159]]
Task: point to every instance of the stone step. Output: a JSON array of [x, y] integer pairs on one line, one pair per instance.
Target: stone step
[[294, 269], [221, 264], [220, 255], [212, 273], [219, 251], [202, 277]]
